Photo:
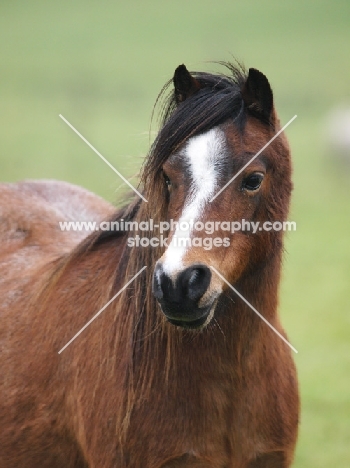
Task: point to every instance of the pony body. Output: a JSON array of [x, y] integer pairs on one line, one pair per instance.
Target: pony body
[[166, 376]]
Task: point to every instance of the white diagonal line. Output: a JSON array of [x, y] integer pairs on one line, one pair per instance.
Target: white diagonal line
[[252, 159], [101, 310], [103, 159], [254, 309]]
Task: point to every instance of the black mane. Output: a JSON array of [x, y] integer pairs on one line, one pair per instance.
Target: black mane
[[218, 100]]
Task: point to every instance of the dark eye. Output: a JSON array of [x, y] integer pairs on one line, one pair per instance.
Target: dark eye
[[253, 181], [167, 180]]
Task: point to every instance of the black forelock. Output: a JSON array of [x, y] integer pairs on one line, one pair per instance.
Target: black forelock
[[218, 100]]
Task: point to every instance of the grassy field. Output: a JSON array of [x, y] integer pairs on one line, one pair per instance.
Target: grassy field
[[102, 64]]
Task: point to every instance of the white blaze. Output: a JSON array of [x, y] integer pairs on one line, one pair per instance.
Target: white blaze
[[200, 154]]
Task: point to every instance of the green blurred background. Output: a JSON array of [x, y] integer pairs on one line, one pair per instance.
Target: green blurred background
[[102, 64]]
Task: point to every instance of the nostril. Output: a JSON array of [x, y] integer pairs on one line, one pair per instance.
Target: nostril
[[193, 278], [195, 281]]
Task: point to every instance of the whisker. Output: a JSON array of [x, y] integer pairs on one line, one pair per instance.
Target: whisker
[[218, 325], [155, 329]]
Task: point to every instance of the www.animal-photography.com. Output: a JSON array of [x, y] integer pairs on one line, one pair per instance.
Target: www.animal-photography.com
[[174, 217]]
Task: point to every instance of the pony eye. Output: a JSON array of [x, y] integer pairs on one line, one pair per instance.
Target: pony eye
[[167, 181], [253, 181]]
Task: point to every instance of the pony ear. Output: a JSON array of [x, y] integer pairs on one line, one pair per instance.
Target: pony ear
[[257, 95], [184, 83]]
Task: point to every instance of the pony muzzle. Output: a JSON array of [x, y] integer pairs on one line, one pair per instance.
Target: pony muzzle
[[181, 298]]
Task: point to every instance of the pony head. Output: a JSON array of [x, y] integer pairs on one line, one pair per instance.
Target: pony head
[[218, 191]]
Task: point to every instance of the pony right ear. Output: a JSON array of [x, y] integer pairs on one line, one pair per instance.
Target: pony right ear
[[257, 95], [184, 83]]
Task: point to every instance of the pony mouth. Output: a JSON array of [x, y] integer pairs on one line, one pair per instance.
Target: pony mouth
[[198, 323], [192, 325]]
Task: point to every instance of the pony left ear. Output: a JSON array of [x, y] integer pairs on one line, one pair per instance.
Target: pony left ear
[[257, 95], [184, 83]]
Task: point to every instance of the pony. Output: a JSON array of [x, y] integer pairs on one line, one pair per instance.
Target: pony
[[177, 370]]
